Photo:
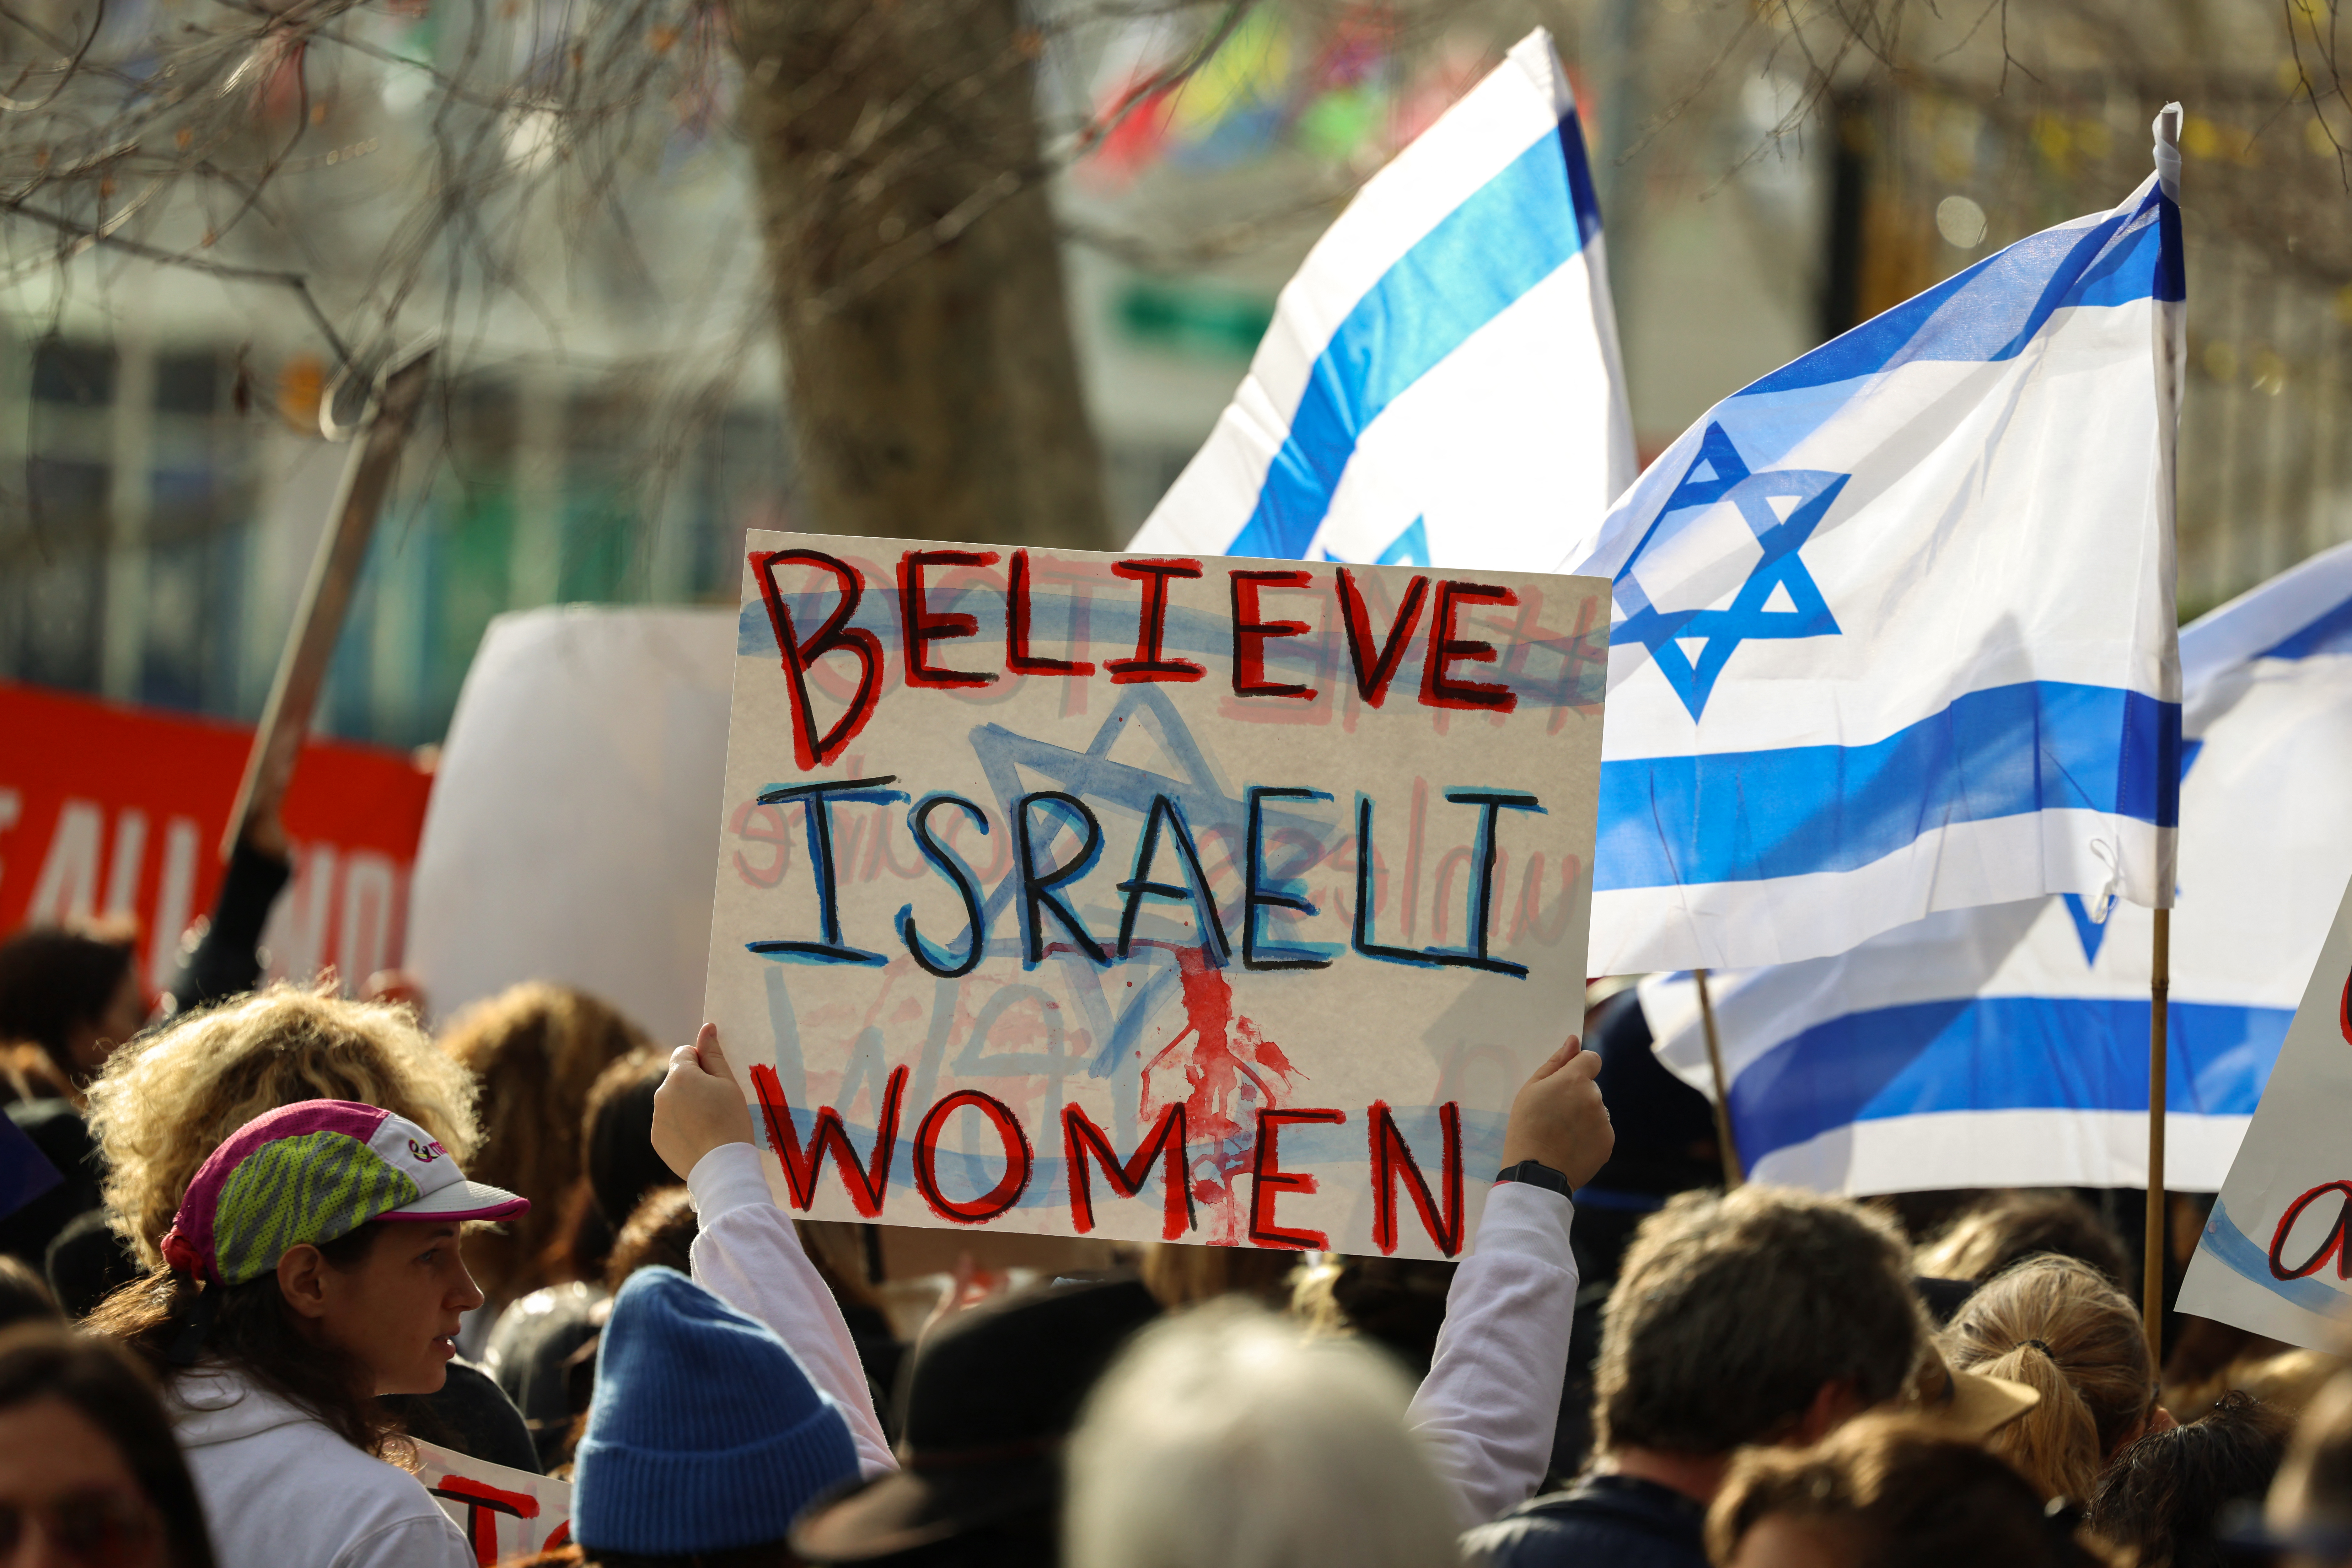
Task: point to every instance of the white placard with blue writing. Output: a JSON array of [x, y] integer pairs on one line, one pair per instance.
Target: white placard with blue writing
[[1208, 899]]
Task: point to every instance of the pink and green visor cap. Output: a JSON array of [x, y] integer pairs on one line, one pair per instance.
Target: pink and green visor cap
[[315, 1171]]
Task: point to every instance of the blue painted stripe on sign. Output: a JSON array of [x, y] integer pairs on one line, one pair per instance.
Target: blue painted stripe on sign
[[2243, 1256], [2001, 1053], [1991, 311], [1511, 234], [1744, 816]]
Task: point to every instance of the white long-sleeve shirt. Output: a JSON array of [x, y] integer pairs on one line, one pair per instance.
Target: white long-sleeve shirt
[[1490, 1404], [749, 1256], [1487, 1410]]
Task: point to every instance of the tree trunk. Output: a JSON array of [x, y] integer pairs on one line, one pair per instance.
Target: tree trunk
[[935, 387]]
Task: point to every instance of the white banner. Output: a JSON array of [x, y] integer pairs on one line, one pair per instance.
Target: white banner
[[567, 838]]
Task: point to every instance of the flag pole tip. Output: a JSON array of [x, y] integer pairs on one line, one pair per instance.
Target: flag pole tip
[[2167, 148]]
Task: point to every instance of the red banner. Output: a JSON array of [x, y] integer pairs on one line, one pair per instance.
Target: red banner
[[109, 810]]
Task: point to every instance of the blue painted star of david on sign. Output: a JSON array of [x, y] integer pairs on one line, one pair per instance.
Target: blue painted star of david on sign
[[1779, 600]]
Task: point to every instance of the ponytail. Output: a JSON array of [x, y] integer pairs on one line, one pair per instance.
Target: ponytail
[[2055, 1445], [2059, 1328]]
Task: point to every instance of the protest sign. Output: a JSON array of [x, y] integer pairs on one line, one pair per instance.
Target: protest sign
[[1205, 899], [108, 810], [505, 1514], [569, 837], [2274, 1257]]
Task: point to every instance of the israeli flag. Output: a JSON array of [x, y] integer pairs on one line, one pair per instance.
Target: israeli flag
[[2008, 1045], [1441, 380], [1894, 625]]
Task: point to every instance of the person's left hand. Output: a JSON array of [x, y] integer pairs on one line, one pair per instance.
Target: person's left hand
[[1557, 1119], [699, 1106]]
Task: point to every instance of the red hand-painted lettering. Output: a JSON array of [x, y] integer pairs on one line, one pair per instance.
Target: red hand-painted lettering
[[812, 747], [868, 1186]]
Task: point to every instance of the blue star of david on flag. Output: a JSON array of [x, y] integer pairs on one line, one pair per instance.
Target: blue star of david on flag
[[1779, 600]]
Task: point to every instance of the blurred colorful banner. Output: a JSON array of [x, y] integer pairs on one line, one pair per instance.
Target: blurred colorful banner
[[115, 812], [1335, 88]]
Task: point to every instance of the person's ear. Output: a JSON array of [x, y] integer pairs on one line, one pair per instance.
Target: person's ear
[[301, 1280]]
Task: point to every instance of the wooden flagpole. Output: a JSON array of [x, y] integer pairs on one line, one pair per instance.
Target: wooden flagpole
[[334, 573], [1732, 1174], [2159, 990], [2170, 350]]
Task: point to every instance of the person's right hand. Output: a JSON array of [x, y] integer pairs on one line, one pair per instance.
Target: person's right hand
[[699, 1106], [1557, 1119]]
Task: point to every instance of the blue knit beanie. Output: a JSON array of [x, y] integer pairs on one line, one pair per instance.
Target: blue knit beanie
[[704, 1434]]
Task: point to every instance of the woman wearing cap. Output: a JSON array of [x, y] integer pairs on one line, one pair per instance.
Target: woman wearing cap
[[312, 1267]]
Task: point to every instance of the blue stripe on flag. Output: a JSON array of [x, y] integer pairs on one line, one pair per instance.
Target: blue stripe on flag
[[1744, 816], [2001, 1053], [1580, 178], [2330, 633], [1997, 305], [1508, 236]]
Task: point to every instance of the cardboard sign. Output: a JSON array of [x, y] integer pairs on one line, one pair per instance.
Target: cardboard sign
[[505, 1514], [2274, 1257], [112, 810], [1204, 900]]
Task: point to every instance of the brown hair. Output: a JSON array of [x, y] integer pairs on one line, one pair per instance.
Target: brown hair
[[1898, 1493], [109, 1389], [1731, 1313], [2315, 1484], [2002, 1229], [617, 1163], [53, 982], [1181, 1274], [661, 1232], [2058, 1327], [166, 1101], [538, 1050], [24, 1296], [253, 1331], [28, 1072], [2164, 1495]]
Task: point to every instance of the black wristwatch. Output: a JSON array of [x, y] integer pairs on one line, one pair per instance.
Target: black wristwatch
[[1535, 1173]]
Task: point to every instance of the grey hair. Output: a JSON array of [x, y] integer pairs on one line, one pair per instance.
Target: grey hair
[[1224, 1438]]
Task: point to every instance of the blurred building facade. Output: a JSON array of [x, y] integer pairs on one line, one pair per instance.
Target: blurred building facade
[[163, 485]]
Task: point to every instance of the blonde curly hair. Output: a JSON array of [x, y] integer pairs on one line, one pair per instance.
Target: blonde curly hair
[[164, 1103]]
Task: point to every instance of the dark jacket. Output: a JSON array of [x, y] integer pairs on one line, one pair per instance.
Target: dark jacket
[[1615, 1520]]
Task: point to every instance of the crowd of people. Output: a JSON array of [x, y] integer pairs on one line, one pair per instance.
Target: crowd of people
[[297, 1235]]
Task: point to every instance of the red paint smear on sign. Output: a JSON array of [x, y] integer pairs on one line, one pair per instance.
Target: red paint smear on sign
[[1226, 1056]]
